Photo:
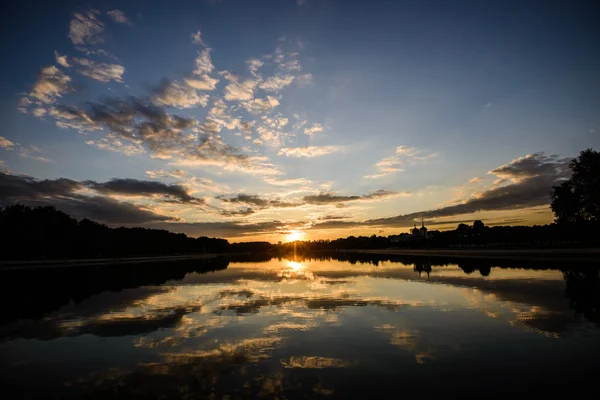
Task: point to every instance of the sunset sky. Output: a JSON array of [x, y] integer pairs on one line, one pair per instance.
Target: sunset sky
[[252, 119]]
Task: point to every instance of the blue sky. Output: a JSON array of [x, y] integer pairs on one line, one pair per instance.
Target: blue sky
[[325, 117]]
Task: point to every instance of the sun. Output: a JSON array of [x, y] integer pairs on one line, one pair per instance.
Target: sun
[[295, 235]]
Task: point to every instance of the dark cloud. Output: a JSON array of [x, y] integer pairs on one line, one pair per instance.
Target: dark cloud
[[333, 217], [257, 201], [136, 187], [15, 187], [235, 213], [105, 209], [62, 194], [242, 198], [329, 198], [532, 179]]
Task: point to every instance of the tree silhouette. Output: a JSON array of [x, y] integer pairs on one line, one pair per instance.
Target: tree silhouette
[[578, 199]]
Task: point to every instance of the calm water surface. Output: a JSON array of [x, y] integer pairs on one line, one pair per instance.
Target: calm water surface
[[300, 328]]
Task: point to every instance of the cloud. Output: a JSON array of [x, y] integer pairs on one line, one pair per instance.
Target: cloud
[[532, 165], [30, 152], [257, 106], [165, 136], [276, 83], [257, 201], [134, 187], [204, 63], [476, 179], [112, 143], [50, 85], [61, 60], [254, 65], [205, 82], [85, 28], [238, 89], [118, 16], [332, 198], [310, 151], [197, 38], [6, 144], [230, 229], [176, 94], [402, 156], [533, 177], [236, 213], [63, 194], [315, 128], [292, 65], [102, 72]]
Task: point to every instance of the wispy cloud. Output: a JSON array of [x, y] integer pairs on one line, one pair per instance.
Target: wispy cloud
[[86, 28], [395, 163], [50, 85], [176, 94], [61, 60], [197, 38], [314, 129], [118, 16], [101, 72], [309, 151], [6, 144]]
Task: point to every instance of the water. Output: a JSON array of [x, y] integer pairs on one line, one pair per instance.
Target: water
[[301, 328]]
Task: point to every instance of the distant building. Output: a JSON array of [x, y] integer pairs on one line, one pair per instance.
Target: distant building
[[420, 232]]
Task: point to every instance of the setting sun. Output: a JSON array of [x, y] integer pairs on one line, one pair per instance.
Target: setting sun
[[295, 235]]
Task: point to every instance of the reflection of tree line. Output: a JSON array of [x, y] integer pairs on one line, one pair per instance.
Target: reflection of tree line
[[33, 294], [582, 281], [47, 290]]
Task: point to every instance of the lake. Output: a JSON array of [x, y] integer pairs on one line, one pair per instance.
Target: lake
[[341, 326]]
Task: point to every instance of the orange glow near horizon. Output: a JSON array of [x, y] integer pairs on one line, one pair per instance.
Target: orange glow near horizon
[[295, 235]]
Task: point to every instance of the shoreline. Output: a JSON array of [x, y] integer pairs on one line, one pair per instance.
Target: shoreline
[[13, 265], [587, 255]]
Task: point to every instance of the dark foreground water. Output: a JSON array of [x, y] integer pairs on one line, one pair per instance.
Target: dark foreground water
[[301, 328]]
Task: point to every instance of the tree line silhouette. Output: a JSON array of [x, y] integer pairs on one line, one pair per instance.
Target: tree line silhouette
[[44, 232]]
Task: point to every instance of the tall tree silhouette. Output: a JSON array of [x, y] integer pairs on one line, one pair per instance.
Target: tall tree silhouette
[[578, 199]]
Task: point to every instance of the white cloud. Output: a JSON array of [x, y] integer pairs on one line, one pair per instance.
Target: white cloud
[[238, 90], [276, 82], [204, 83], [197, 38], [309, 151], [292, 65], [50, 85], [254, 65], [31, 152], [175, 94], [315, 128], [402, 156], [61, 60], [260, 104], [277, 121], [102, 72], [118, 16], [112, 143], [85, 28], [39, 112], [204, 63], [6, 144]]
